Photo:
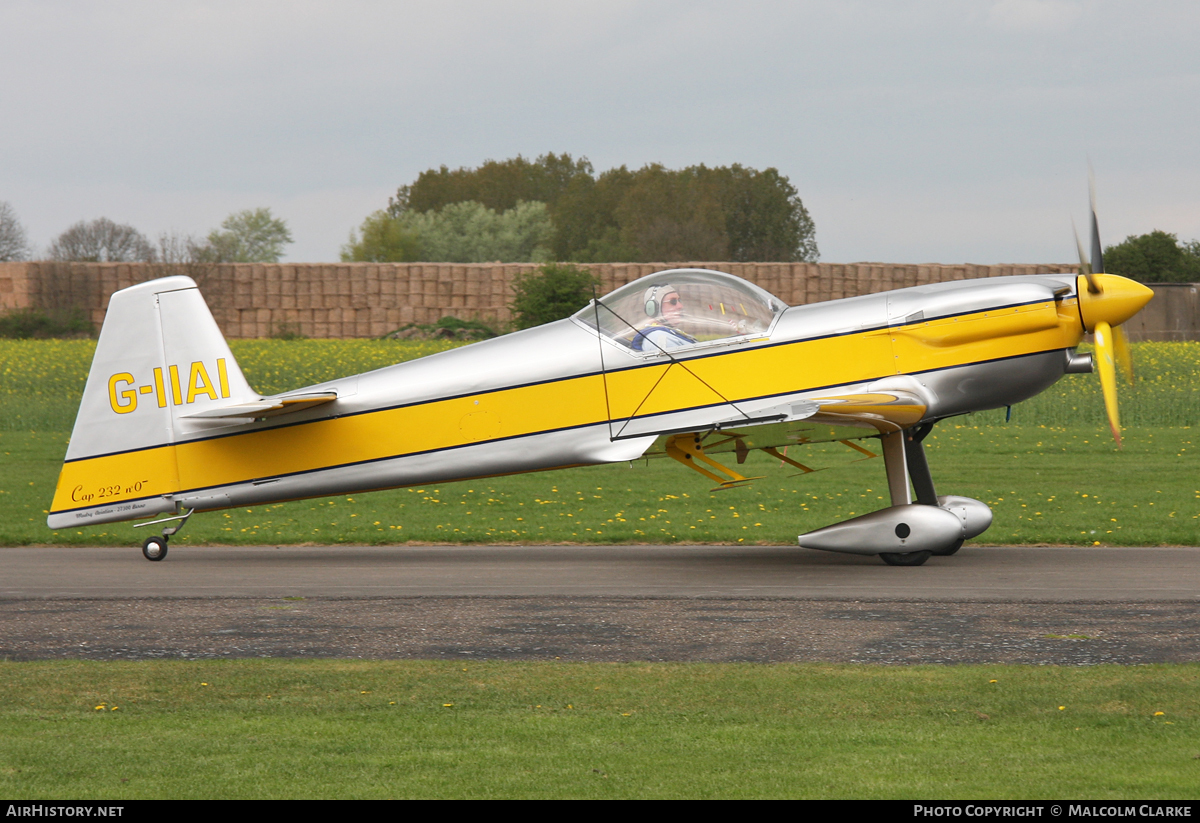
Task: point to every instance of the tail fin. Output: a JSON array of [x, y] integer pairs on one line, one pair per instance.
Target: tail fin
[[160, 356]]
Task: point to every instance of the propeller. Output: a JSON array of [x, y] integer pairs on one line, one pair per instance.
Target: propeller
[[1111, 301], [1108, 376]]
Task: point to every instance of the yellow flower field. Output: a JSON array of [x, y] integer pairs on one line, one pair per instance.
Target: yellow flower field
[[1166, 392]]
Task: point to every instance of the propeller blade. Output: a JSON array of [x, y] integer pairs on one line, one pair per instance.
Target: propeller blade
[[1097, 253], [1123, 355], [1085, 268], [1108, 376]]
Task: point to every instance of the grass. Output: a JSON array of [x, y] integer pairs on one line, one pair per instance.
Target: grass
[[1061, 486], [269, 729]]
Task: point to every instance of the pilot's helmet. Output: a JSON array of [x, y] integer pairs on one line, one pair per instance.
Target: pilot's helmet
[[654, 296]]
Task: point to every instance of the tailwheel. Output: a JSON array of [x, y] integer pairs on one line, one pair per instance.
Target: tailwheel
[[155, 548], [904, 558]]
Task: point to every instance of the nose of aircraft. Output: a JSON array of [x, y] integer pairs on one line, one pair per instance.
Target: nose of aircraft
[[1110, 299]]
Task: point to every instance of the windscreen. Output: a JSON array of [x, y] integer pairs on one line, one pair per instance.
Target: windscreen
[[682, 307]]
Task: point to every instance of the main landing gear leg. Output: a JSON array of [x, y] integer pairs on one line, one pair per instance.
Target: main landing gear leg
[[904, 459], [155, 548], [922, 480], [918, 467]]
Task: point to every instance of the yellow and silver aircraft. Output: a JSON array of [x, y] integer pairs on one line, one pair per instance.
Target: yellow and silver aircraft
[[696, 365]]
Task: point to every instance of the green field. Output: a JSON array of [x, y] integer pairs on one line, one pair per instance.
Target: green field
[[356, 729], [1047, 482]]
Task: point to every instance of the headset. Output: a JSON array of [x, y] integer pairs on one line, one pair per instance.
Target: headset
[[654, 294]]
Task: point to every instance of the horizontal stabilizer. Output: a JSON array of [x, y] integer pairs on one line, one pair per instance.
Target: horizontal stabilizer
[[267, 407]]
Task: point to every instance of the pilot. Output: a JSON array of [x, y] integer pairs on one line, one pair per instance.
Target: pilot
[[665, 309]]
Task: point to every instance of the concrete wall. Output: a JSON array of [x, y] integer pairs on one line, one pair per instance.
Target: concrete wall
[[370, 300]]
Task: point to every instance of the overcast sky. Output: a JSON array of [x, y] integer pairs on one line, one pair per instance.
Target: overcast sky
[[940, 131]]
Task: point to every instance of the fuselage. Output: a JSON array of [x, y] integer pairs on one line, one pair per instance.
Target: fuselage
[[563, 394]]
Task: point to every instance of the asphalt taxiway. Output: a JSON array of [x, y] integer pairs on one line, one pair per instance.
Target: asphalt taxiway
[[982, 574], [1061, 606]]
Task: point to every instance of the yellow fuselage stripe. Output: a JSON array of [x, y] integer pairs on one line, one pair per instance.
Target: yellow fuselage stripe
[[567, 403]]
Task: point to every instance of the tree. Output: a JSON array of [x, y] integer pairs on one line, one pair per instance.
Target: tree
[[101, 241], [652, 214], [764, 217], [470, 232], [250, 236], [723, 213], [498, 185], [586, 229], [385, 239], [673, 215], [555, 291], [467, 232], [14, 242], [1156, 257], [1192, 249]]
